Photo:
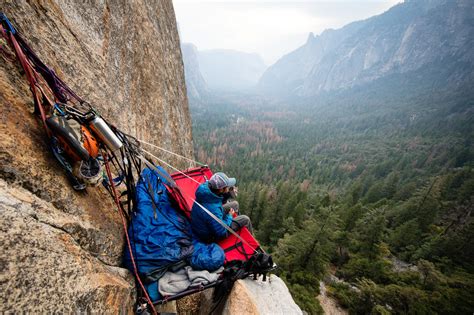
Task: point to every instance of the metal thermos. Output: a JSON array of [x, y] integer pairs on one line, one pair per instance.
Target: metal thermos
[[103, 131]]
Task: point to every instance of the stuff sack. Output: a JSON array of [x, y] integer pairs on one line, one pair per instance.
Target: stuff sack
[[160, 236]]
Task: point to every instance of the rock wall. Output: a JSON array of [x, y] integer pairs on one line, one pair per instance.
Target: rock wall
[[271, 296], [253, 297], [61, 249]]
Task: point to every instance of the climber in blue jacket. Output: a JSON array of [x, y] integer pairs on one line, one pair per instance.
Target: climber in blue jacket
[[210, 196]]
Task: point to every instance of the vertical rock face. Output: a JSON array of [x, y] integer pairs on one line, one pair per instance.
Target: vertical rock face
[[47, 265], [60, 249], [411, 39], [195, 83]]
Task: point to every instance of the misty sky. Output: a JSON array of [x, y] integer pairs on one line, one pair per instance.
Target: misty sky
[[269, 28]]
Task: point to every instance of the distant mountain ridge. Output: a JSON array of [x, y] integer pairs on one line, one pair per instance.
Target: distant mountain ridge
[[196, 86], [225, 69], [410, 36], [219, 70]]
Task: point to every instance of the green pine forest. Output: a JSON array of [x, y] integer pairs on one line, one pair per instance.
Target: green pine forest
[[374, 186]]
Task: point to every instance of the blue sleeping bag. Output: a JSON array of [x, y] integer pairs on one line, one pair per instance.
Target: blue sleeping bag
[[161, 236]]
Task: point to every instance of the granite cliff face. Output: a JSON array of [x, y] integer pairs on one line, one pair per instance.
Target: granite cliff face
[[292, 70], [414, 35], [195, 83], [61, 249], [254, 297]]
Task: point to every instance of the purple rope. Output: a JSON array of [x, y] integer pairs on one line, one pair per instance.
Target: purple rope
[[60, 89]]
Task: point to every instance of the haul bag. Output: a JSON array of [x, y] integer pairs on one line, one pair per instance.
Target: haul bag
[[235, 249], [69, 133]]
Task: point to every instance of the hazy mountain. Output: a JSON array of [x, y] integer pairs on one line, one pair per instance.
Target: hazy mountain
[[229, 69], [431, 36], [195, 84]]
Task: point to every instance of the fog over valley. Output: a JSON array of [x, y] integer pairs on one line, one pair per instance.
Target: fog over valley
[[349, 126]]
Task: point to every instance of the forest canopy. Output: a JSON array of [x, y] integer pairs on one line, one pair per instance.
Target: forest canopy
[[371, 186]]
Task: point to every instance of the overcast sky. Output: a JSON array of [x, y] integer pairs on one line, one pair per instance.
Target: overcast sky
[[269, 28]]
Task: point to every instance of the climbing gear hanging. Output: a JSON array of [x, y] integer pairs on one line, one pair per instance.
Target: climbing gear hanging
[[70, 140], [91, 151], [89, 171], [103, 131], [73, 128], [76, 139]]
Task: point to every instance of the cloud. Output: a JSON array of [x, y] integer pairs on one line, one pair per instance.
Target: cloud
[[279, 1], [269, 28]]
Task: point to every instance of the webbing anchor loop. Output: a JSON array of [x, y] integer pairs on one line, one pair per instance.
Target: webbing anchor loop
[[9, 25]]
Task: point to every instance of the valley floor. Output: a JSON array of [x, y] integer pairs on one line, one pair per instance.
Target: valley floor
[[329, 305]]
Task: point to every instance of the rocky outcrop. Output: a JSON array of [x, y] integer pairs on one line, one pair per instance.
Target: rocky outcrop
[[412, 36], [195, 83], [254, 297], [48, 265], [270, 297], [61, 250]]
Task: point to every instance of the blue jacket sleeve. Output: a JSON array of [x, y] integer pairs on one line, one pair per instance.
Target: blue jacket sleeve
[[219, 230], [227, 219]]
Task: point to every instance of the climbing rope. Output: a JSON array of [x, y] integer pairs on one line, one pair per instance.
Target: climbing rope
[[169, 165], [173, 153], [124, 223]]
